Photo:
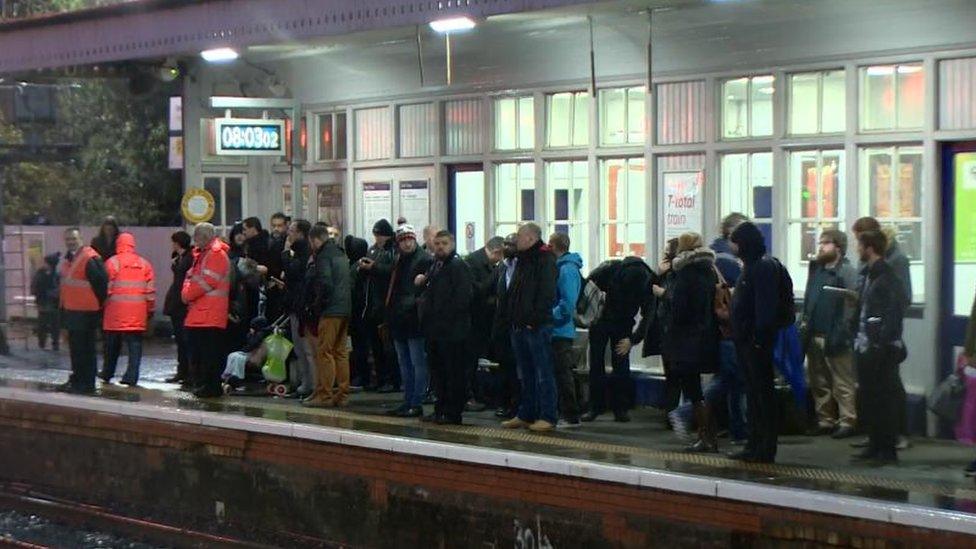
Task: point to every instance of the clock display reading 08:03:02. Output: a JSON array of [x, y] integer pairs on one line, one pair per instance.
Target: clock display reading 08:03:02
[[250, 137]]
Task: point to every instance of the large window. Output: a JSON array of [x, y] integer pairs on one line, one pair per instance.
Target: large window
[[623, 201], [816, 194], [568, 119], [514, 196], [228, 194], [892, 97], [622, 120], [514, 123], [890, 190], [288, 205], [747, 107], [567, 184], [332, 137], [817, 102], [747, 188]]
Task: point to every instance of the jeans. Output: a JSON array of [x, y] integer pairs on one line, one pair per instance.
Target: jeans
[[412, 355], [113, 346], [182, 347], [756, 363], [877, 388], [565, 358], [620, 378], [533, 357], [447, 377]]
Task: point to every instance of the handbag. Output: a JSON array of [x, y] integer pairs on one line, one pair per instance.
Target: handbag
[[947, 397]]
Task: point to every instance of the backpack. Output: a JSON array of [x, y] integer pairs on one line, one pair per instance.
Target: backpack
[[786, 309], [590, 304]]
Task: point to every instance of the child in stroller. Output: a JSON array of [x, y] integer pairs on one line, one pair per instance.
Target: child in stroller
[[244, 366]]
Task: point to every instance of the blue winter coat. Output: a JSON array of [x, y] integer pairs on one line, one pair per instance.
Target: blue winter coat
[[567, 293]]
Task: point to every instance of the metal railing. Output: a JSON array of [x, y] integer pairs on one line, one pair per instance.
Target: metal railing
[[20, 9]]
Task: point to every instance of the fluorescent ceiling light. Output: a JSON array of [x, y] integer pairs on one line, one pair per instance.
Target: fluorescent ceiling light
[[767, 91], [763, 79], [219, 55], [908, 69], [883, 70], [452, 24]]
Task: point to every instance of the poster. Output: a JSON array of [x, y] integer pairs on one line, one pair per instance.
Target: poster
[[415, 203], [469, 232], [176, 114], [176, 152], [683, 203], [377, 204], [330, 205], [965, 222]]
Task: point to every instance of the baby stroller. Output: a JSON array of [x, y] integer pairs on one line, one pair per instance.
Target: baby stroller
[[260, 367]]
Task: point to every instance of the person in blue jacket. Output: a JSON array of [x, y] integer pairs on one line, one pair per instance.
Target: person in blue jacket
[[564, 327]]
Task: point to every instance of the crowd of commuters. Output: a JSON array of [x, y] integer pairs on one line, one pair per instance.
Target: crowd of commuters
[[422, 319]]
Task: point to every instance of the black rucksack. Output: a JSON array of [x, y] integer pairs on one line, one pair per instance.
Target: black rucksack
[[786, 309]]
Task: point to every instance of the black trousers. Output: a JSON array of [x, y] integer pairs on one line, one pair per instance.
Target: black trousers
[[619, 382], [207, 357], [446, 361], [691, 386], [878, 383], [48, 324], [756, 363], [81, 344], [182, 347], [565, 358]]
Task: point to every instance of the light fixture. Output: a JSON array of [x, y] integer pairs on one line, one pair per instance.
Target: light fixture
[[763, 80], [881, 70], [452, 24], [768, 90], [908, 69], [219, 55]]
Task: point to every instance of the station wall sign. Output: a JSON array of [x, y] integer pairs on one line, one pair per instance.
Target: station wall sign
[[249, 137]]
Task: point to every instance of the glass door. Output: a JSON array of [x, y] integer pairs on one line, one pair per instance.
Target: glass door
[[466, 206]]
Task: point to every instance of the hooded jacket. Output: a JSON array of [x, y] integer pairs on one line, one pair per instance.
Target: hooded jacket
[[44, 284], [567, 294], [880, 314], [377, 279], [294, 262], [627, 284], [756, 297], [131, 288], [533, 288], [356, 249], [899, 263], [690, 337]]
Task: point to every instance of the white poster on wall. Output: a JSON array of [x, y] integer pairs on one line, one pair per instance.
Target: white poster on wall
[[415, 203], [683, 202], [377, 204]]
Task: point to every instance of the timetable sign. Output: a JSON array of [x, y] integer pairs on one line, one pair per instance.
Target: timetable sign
[[247, 137]]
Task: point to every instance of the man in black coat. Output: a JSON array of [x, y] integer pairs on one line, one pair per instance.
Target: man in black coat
[[173, 306], [627, 284], [376, 269], [356, 249], [531, 296], [879, 349], [482, 264], [501, 330], [275, 294], [294, 262], [445, 315], [755, 304]]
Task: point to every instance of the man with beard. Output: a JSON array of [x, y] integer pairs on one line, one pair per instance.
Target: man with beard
[[445, 316], [275, 305], [879, 349], [828, 337]]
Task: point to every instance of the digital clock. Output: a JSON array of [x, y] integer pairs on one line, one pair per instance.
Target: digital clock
[[240, 137]]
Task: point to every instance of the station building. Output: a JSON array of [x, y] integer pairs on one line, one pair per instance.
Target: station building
[[622, 123]]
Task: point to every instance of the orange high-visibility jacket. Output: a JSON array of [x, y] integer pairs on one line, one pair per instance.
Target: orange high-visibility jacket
[[131, 288], [206, 289], [76, 292]]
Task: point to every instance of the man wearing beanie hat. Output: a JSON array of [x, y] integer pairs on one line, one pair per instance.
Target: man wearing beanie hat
[[404, 322], [755, 306], [828, 337], [376, 268]]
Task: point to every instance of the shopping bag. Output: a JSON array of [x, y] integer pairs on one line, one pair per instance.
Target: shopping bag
[[275, 369], [947, 398]]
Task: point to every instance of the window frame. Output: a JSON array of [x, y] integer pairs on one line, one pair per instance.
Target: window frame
[[750, 78], [862, 102], [225, 225], [582, 222], [790, 103], [518, 164], [334, 122], [749, 154], [864, 187], [603, 250], [602, 117], [518, 122], [575, 95]]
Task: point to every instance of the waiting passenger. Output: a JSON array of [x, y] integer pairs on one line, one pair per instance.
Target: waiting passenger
[[826, 328], [294, 261], [501, 331], [181, 259], [879, 349], [564, 327], [482, 264], [375, 269], [128, 309]]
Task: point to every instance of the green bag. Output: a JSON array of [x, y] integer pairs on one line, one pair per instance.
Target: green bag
[[275, 369]]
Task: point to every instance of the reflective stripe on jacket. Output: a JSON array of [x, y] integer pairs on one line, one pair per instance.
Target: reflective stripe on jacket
[[131, 288], [76, 291], [206, 289]]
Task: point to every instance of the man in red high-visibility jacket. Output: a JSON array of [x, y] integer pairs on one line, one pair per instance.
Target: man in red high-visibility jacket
[[206, 291], [130, 304], [83, 290]]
